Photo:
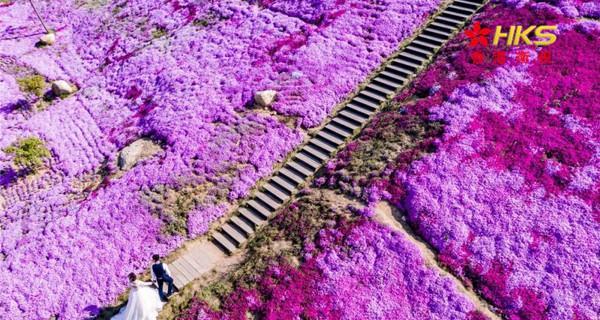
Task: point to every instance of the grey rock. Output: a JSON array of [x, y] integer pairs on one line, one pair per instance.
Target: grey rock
[[136, 151], [61, 88], [265, 98]]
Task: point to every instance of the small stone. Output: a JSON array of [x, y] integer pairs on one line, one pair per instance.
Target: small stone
[[62, 88], [265, 98], [48, 39], [138, 150]]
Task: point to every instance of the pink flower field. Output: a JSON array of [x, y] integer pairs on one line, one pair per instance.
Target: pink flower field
[[507, 192], [494, 167], [352, 269], [182, 74]]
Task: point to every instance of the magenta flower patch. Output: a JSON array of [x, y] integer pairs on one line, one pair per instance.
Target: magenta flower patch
[[182, 74]]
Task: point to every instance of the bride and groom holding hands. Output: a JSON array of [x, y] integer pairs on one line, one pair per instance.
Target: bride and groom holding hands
[[146, 299]]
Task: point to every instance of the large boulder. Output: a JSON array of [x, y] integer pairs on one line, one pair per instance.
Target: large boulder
[[136, 151], [265, 98]]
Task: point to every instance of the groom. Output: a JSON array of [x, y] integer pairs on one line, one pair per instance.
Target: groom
[[160, 275]]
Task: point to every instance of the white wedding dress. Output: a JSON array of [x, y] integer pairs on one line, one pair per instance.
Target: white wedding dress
[[143, 304]]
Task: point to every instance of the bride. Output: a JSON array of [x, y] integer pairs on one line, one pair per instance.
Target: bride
[[143, 303]]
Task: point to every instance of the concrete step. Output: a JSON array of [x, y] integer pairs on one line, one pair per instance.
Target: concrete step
[[263, 210], [301, 168], [193, 262], [374, 94], [180, 278], [330, 138], [459, 16], [402, 62], [466, 4], [189, 271], [224, 243], [252, 216], [425, 44], [354, 116], [178, 275], [420, 51], [360, 109], [403, 72], [268, 200], [394, 76], [461, 10], [236, 235], [247, 227], [367, 101], [418, 60], [323, 144], [385, 80], [382, 88], [296, 177], [316, 152], [285, 184], [435, 41], [276, 190], [339, 130], [444, 26], [346, 123], [436, 33], [305, 157], [177, 283], [451, 19]]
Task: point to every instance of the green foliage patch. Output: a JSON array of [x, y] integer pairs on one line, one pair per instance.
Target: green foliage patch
[[28, 152], [32, 84]]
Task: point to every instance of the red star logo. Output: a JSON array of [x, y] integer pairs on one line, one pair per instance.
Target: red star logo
[[478, 35], [477, 57]]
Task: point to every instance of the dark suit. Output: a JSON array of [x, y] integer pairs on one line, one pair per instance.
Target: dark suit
[[162, 277]]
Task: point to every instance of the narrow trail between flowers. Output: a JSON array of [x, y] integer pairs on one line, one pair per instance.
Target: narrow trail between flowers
[[389, 216], [347, 123]]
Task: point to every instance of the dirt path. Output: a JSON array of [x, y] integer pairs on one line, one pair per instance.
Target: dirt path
[[389, 216]]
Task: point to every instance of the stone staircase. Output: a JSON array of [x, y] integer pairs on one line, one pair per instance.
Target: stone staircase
[[276, 191]]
